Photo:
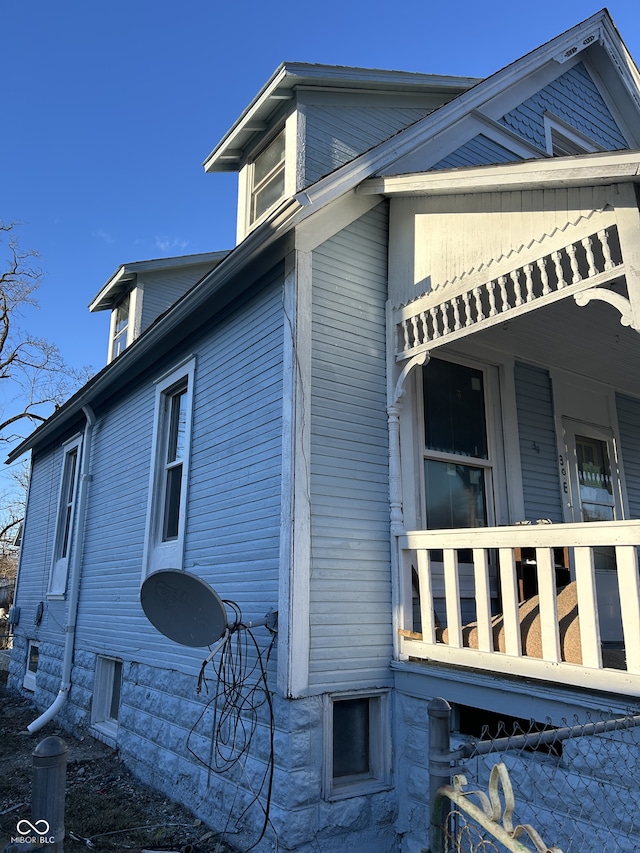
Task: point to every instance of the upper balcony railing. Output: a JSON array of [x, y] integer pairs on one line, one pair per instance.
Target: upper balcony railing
[[559, 602]]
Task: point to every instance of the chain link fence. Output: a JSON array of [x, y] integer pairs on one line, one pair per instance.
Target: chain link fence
[[569, 789]]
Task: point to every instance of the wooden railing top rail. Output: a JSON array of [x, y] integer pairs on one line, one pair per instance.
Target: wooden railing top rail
[[596, 534]]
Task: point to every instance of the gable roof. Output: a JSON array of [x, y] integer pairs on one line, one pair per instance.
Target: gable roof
[[224, 282]]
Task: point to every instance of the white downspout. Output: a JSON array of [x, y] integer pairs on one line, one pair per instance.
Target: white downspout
[[74, 584]]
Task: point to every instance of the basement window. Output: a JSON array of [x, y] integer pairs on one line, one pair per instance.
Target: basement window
[[106, 695], [485, 725], [33, 654], [357, 753]]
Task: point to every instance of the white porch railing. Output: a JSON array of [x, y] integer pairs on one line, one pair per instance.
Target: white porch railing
[[497, 638]]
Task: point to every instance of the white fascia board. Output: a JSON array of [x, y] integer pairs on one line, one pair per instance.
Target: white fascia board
[[581, 170]]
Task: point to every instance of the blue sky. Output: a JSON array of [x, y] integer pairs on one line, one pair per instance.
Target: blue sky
[[109, 109]]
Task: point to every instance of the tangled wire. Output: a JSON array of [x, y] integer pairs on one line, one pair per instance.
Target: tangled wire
[[241, 690]]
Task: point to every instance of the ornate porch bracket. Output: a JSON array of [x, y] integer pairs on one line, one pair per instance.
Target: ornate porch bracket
[[627, 317], [395, 394]]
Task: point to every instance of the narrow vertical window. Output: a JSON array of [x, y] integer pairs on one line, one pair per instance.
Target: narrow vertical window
[[63, 541], [176, 415], [170, 471], [121, 327], [267, 177]]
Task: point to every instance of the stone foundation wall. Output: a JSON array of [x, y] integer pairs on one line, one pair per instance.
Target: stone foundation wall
[[162, 717]]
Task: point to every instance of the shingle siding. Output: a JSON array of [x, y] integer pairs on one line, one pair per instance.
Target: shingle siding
[[574, 98]]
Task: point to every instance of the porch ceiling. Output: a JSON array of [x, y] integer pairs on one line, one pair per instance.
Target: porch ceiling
[[588, 341]]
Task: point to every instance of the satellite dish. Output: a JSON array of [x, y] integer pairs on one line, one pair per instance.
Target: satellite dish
[[183, 607]]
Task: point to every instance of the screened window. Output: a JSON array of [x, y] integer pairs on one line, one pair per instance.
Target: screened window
[[456, 463], [267, 177], [65, 520]]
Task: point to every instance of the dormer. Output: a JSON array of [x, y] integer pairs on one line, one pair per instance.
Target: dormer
[[311, 119], [138, 293]]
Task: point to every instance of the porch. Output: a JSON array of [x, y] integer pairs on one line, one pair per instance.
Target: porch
[[466, 599]]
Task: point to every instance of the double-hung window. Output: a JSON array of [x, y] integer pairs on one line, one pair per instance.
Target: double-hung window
[[63, 541], [168, 491], [457, 468], [267, 177], [121, 322]]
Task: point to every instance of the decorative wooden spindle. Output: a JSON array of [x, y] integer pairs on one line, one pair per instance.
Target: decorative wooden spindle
[[573, 260], [603, 236], [557, 265], [528, 268], [544, 277], [517, 288], [491, 289], [466, 297], [502, 284], [587, 244]]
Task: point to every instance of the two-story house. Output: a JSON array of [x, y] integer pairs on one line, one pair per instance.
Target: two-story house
[[426, 335]]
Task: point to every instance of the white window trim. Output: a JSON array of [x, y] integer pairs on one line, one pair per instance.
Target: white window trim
[[29, 680], [134, 323], [106, 671], [158, 554], [571, 134], [245, 182], [60, 564], [493, 466], [379, 778]]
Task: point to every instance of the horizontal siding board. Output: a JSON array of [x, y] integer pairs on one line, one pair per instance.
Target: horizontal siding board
[[538, 447], [233, 520], [334, 135], [628, 410], [479, 151], [163, 288], [350, 574]]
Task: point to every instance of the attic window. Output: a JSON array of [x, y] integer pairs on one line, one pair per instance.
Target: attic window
[[120, 327], [565, 141], [267, 177]]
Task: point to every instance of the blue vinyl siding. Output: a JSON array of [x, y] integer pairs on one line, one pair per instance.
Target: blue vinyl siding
[[233, 510], [162, 289], [574, 98], [335, 135], [628, 409], [538, 448], [479, 151], [350, 574]]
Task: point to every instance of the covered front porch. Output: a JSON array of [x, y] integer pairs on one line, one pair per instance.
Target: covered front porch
[[519, 315]]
